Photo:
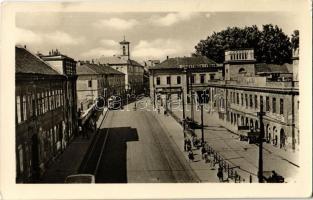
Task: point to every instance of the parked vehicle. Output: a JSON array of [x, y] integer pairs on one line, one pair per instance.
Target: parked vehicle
[[115, 103], [80, 178], [273, 177]]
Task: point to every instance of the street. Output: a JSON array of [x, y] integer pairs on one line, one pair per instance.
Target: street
[[138, 150]]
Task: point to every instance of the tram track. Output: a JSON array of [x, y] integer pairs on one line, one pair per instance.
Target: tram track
[[92, 160]]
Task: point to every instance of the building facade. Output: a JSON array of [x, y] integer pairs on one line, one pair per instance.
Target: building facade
[[67, 67], [134, 72], [168, 80], [41, 117], [247, 87], [95, 81]]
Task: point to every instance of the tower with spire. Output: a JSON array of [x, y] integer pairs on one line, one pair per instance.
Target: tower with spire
[[125, 49]]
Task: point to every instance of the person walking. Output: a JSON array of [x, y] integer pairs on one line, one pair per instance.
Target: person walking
[[220, 174], [191, 156], [203, 151]]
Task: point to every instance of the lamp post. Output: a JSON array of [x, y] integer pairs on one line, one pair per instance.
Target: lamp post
[[261, 137]]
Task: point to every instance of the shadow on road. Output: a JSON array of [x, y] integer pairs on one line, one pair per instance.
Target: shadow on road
[[113, 166]]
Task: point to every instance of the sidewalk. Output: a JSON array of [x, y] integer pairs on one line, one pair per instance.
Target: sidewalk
[[69, 161], [203, 170], [242, 154], [210, 120]]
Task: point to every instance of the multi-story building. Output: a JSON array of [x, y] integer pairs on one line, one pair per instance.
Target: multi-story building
[[41, 115], [97, 80], [134, 72], [66, 66], [247, 87], [168, 80]]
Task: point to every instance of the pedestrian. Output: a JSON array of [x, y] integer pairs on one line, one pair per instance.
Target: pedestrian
[[185, 144], [203, 151], [220, 174], [206, 158], [159, 110], [191, 156]]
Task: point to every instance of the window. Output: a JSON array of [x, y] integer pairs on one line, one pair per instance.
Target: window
[[267, 104], [231, 97], [251, 100], [178, 79], [274, 104], [34, 105], [20, 153], [202, 78], [298, 105], [30, 105], [255, 101], [46, 101], [212, 76], [241, 99], [158, 81], [43, 102], [234, 97], [238, 98], [90, 83], [18, 109], [246, 99], [39, 103], [261, 102], [192, 78], [24, 109], [281, 107], [168, 80]]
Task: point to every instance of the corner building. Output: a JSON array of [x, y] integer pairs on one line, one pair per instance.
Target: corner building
[[248, 86]]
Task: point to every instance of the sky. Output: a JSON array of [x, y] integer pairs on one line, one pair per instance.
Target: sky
[[152, 35]]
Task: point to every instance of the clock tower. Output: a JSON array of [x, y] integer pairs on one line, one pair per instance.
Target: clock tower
[[125, 49]]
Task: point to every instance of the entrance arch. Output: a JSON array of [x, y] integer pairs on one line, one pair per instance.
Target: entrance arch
[[275, 136], [256, 126], [282, 138], [251, 124], [35, 157]]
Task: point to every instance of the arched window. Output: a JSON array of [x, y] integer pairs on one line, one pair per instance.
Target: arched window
[[242, 71]]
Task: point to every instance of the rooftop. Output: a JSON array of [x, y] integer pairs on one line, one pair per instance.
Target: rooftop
[[117, 60], [272, 68], [28, 62], [91, 68], [178, 62]]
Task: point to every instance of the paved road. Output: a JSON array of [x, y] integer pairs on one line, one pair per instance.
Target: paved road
[[138, 150]]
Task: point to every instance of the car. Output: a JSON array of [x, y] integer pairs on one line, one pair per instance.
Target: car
[[80, 178]]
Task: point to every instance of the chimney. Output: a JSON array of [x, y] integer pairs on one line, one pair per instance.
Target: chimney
[[25, 46], [166, 57]]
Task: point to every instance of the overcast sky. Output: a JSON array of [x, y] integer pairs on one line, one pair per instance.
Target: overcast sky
[[151, 35]]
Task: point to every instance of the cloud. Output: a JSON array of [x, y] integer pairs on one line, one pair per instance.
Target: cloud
[[62, 38], [25, 36], [172, 18], [208, 15], [116, 23], [158, 48], [97, 52], [110, 43]]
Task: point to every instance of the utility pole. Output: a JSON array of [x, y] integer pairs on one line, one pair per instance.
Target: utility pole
[[202, 131], [183, 96], [261, 138], [191, 97]]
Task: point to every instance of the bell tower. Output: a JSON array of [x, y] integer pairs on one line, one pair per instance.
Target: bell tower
[[125, 49]]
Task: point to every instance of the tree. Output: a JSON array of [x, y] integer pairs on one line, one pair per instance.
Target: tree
[[270, 45], [295, 39]]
